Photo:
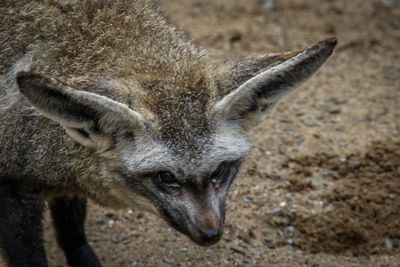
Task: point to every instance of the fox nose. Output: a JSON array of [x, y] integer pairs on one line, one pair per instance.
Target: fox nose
[[210, 234]]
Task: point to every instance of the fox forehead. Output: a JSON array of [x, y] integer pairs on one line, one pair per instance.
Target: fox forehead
[[181, 108], [150, 155]]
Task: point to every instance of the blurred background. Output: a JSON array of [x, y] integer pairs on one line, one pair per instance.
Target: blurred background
[[322, 184]]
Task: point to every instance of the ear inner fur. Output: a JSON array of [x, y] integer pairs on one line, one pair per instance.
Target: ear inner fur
[[76, 110], [257, 95]]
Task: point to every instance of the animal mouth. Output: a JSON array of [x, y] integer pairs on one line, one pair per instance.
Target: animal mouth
[[194, 234], [206, 242]]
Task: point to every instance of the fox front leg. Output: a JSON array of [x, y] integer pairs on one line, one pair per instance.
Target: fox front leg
[[21, 229], [69, 220]]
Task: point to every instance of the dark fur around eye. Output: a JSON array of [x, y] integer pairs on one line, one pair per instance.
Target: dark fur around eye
[[129, 135], [83, 132], [224, 170], [165, 179]]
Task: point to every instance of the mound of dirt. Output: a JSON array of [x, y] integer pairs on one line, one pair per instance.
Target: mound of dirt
[[361, 212]]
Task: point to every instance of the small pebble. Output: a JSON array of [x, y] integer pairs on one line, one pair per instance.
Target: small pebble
[[385, 3], [290, 229], [238, 250], [269, 4], [276, 210], [329, 208], [247, 200], [388, 243]]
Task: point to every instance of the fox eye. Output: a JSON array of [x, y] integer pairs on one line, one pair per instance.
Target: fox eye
[[220, 172], [168, 178]]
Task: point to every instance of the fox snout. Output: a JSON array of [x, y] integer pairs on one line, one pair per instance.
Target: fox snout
[[210, 226], [206, 234], [210, 235], [201, 219], [201, 234]]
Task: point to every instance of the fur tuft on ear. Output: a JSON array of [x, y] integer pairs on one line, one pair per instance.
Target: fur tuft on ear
[[271, 77], [87, 117]]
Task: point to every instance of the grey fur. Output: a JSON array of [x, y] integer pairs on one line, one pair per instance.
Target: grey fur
[[98, 97]]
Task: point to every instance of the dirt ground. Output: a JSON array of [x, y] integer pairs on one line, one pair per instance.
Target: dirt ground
[[322, 184]]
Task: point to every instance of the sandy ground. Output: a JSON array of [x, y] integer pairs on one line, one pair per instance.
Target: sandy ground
[[322, 184]]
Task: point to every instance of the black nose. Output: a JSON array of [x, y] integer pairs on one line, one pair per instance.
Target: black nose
[[210, 234]]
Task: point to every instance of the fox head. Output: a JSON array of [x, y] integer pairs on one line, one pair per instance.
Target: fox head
[[172, 144]]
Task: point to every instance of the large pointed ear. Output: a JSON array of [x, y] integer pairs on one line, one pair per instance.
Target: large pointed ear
[[88, 118], [260, 82]]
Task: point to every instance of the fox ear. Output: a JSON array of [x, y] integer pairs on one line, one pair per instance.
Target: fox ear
[[87, 117], [255, 85]]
